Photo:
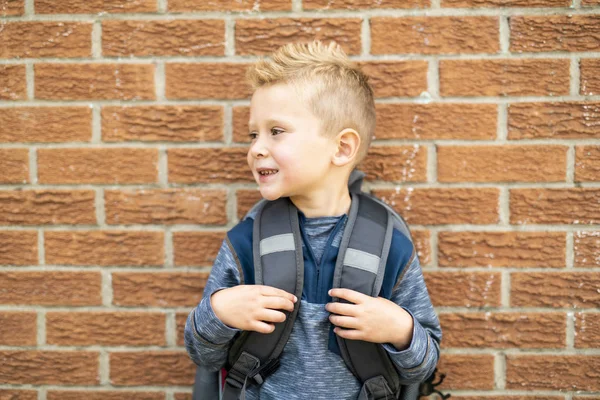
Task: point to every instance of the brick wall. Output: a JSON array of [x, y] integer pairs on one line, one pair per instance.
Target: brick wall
[[122, 142]]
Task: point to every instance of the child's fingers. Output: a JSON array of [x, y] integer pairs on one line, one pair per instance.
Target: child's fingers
[[267, 315], [347, 294], [344, 322], [273, 291], [342, 309], [351, 334], [262, 327], [277, 303]]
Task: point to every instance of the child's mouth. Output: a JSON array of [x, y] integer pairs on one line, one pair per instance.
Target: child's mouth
[[266, 175]]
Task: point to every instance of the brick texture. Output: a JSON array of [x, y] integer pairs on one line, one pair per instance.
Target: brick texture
[[94, 7], [45, 124], [554, 33], [587, 163], [206, 81], [396, 78], [464, 289], [14, 165], [23, 322], [46, 39], [229, 5], [209, 165], [13, 85], [587, 248], [362, 4], [505, 3], [18, 247], [554, 206], [396, 164], [11, 7], [164, 368], [186, 246], [555, 289], [587, 328], [590, 72], [103, 395]]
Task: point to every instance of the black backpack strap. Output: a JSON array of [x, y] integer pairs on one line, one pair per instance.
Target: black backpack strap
[[360, 266], [277, 244]]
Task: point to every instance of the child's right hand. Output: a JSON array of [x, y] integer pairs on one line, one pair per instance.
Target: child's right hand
[[252, 307]]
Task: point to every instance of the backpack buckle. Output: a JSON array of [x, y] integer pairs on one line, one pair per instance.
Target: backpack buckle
[[259, 374]]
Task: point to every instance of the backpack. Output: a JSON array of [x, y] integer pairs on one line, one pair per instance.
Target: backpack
[[360, 266]]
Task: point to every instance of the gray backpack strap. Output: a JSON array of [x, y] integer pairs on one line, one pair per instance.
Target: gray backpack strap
[[360, 266], [277, 244]]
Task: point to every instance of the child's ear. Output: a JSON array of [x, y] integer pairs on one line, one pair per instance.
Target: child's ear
[[348, 143]]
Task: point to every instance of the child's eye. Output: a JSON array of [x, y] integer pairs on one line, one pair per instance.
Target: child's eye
[[252, 135], [276, 131]]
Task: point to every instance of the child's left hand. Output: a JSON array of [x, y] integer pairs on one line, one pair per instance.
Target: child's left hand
[[372, 319]]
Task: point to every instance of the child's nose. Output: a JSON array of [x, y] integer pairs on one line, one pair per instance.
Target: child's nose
[[258, 149]]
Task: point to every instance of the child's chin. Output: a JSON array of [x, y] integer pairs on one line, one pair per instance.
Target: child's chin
[[267, 195]]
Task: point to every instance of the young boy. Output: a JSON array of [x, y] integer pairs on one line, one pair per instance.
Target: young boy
[[312, 117]]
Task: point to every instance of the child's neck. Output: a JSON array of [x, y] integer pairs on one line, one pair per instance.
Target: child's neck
[[324, 204]]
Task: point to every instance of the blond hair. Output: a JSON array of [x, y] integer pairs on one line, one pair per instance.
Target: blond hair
[[334, 88]]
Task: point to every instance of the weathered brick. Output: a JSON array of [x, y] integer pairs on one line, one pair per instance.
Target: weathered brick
[[229, 5], [161, 368], [396, 78], [17, 394], [434, 35], [210, 165], [540, 372], [45, 124], [436, 121], [396, 163], [498, 163], [554, 33], [166, 206], [358, 4], [590, 3], [504, 330], [94, 81], [105, 328], [422, 242], [51, 288], [14, 165], [502, 249], [464, 289], [512, 397], [181, 123], [262, 36], [103, 395], [560, 120], [45, 39], [517, 77], [96, 165], [188, 396], [11, 7], [466, 371], [555, 289], [18, 328], [587, 163], [241, 115], [159, 289], [180, 320], [196, 248], [444, 205], [505, 3], [106, 248], [587, 248], [206, 81], [94, 6], [13, 85], [245, 200], [49, 367], [37, 207], [18, 247], [554, 206], [587, 330], [590, 76], [163, 38]]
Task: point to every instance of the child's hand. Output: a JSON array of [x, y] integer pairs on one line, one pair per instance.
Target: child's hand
[[252, 307], [372, 319]]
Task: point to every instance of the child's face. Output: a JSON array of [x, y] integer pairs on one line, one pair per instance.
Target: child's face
[[286, 137]]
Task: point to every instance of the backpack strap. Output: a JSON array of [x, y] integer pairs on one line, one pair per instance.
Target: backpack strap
[[361, 266], [276, 242]]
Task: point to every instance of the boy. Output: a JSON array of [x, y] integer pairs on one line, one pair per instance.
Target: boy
[[312, 117]]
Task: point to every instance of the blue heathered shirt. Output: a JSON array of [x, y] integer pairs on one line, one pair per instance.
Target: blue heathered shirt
[[309, 370]]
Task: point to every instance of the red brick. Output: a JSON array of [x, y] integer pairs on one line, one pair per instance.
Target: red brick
[[263, 36], [209, 165], [434, 35], [196, 248], [103, 395], [587, 249], [11, 7], [241, 115], [540, 372], [180, 320], [554, 33], [497, 163], [506, 3], [158, 289], [587, 330], [555, 289], [188, 396], [590, 76], [464, 289], [40, 207], [96, 165], [229, 5], [358, 4], [396, 164], [10, 394], [514, 397], [590, 3], [206, 81], [517, 77], [436, 121], [18, 247], [422, 242], [466, 371], [51, 288], [94, 7], [163, 38], [554, 206], [46, 39], [181, 123], [45, 124], [14, 166], [560, 120], [587, 163], [107, 248], [502, 249], [105, 328], [504, 330], [164, 368], [94, 81], [396, 78], [444, 205], [49, 367], [246, 199], [18, 328], [13, 85]]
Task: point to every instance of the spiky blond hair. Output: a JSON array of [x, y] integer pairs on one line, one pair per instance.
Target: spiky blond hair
[[333, 87]]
